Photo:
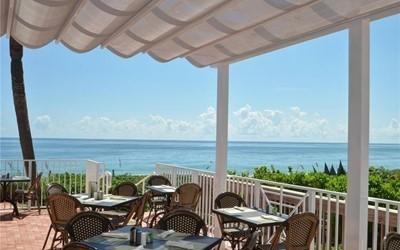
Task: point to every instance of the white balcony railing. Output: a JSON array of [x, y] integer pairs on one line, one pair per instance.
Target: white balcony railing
[[384, 215], [72, 174]]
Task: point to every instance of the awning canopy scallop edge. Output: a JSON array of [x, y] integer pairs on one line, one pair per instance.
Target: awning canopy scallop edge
[[205, 32]]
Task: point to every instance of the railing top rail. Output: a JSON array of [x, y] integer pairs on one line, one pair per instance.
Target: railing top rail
[[55, 159], [286, 185], [186, 168]]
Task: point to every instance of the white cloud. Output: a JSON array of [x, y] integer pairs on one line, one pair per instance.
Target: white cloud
[[42, 122], [246, 123], [388, 133], [278, 124]]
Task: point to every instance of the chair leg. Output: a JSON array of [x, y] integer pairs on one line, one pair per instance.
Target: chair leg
[[47, 237], [54, 239]]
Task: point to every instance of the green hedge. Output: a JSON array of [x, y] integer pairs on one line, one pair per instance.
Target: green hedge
[[383, 183]]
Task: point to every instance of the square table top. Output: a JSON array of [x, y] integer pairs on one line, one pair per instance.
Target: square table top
[[108, 201], [102, 242], [165, 189], [251, 217], [15, 179]]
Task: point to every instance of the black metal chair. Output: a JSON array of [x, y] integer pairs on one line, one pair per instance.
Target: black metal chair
[[231, 230], [55, 188], [33, 193], [158, 201], [78, 246], [183, 221], [391, 241], [86, 225]]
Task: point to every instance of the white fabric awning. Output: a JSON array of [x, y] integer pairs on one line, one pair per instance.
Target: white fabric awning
[[205, 32]]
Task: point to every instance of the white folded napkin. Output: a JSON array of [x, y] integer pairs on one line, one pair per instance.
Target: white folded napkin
[[116, 235], [271, 217], [165, 234], [239, 208], [180, 244]]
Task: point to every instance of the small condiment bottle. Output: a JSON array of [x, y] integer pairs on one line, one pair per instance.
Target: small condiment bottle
[[132, 237]]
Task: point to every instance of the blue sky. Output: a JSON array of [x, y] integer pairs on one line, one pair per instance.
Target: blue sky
[[294, 94]]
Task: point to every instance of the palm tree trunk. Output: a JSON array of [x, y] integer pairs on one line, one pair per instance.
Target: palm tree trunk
[[21, 109]]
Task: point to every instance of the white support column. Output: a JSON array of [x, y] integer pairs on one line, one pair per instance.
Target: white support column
[[358, 137], [221, 154]]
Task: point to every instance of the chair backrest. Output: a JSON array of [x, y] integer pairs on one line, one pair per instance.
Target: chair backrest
[[187, 196], [251, 241], [183, 221], [158, 180], [86, 225], [391, 241], [227, 200], [62, 207], [55, 188], [125, 189], [300, 230], [78, 246]]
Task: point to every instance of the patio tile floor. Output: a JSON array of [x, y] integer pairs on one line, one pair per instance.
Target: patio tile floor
[[26, 232]]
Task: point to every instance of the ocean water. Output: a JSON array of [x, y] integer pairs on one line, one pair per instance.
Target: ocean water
[[140, 156]]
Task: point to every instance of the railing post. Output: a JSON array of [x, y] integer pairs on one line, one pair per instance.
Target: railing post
[[173, 177], [92, 173], [257, 190], [311, 209], [311, 201], [195, 177]]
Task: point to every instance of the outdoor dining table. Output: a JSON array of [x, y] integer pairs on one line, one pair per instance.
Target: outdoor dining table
[[5, 183], [162, 189], [119, 240], [108, 202], [252, 217]]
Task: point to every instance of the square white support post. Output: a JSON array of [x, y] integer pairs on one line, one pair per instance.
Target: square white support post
[[221, 154], [358, 137], [92, 173]]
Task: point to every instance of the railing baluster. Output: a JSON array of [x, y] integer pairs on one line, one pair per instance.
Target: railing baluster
[[337, 222], [375, 227], [320, 220], [328, 233], [387, 222]]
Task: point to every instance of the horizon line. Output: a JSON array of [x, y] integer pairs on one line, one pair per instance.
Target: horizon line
[[191, 140]]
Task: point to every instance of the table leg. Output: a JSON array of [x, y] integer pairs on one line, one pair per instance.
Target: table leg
[[6, 198]]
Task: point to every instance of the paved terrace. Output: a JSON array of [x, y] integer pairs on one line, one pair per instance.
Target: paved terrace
[[26, 232]]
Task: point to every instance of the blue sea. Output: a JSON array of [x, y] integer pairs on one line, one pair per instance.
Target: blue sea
[[140, 156]]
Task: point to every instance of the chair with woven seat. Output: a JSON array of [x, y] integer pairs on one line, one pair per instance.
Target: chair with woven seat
[[86, 225], [125, 189], [78, 246], [231, 230], [300, 230], [55, 188], [32, 194], [391, 241], [251, 241], [183, 221], [158, 201], [186, 196], [61, 208]]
